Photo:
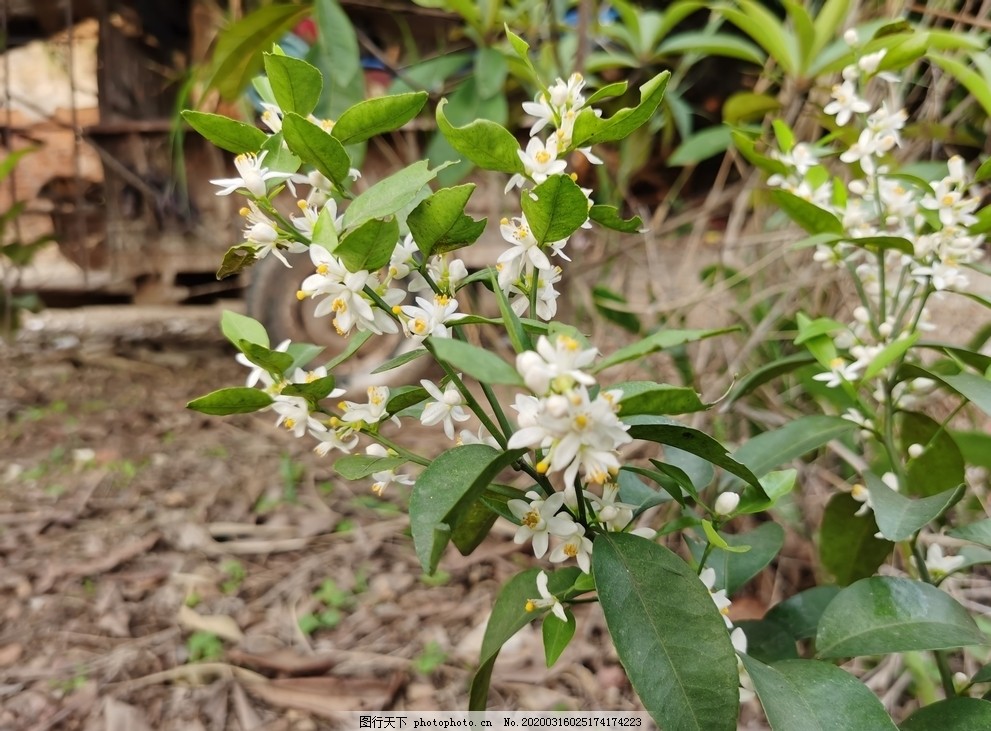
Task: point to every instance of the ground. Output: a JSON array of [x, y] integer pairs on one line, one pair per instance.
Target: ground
[[168, 570]]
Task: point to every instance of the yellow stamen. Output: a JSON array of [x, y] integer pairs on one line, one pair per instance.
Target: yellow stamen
[[300, 295], [322, 269], [542, 467], [530, 606], [290, 423]]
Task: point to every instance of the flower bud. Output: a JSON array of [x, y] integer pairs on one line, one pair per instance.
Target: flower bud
[[726, 503], [915, 450]]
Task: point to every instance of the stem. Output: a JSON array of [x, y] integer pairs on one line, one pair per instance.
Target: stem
[[942, 662], [490, 396], [705, 557], [471, 401], [381, 304], [402, 452]]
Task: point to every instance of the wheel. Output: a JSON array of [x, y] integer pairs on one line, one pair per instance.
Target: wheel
[[271, 299]]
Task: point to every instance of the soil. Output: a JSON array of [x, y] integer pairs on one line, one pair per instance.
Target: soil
[[162, 569]]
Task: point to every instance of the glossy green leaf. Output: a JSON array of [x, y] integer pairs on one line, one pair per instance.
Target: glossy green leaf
[[662, 430], [338, 56], [273, 361], [517, 334], [404, 397], [359, 466], [508, 617], [941, 466], [983, 675], [952, 714], [889, 354], [975, 388], [490, 72], [482, 365], [389, 195], [313, 391], [591, 129], [377, 116], [775, 486], [887, 614], [487, 144], [701, 146], [880, 243], [400, 360], [609, 217], [439, 224], [555, 209], [318, 148], [226, 133], [354, 342], [977, 532], [766, 30], [747, 106], [795, 439], [733, 570], [237, 54], [712, 44], [718, 542], [766, 373], [369, 246], [278, 157], [295, 83], [228, 401], [302, 354], [617, 88], [809, 216], [660, 340], [768, 641], [983, 172], [976, 84], [899, 517], [444, 491], [557, 635], [662, 620], [237, 327], [473, 527], [799, 614], [746, 147], [647, 397], [847, 547], [807, 695]]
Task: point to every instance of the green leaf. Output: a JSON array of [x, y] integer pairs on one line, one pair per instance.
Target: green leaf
[[445, 490], [799, 614], [609, 217], [312, 391], [482, 365], [976, 84], [952, 714], [660, 340], [979, 532], [318, 148], [941, 466], [746, 147], [876, 243], [278, 157], [557, 635], [847, 547], [517, 334], [766, 30], [606, 301], [662, 621], [403, 397], [795, 439], [302, 354], [400, 360], [355, 341], [983, 172], [376, 116], [733, 570], [711, 44], [747, 106], [226, 133], [617, 88], [701, 146], [769, 372], [388, 196], [370, 245], [295, 83], [236, 260], [237, 55], [508, 617], [983, 675], [490, 72], [768, 641], [12, 159], [555, 209], [809, 216], [807, 695], [890, 353], [827, 22], [775, 486], [473, 527], [899, 517], [228, 401], [439, 224], [885, 614], [713, 537], [646, 397], [358, 466], [487, 144], [972, 387], [591, 129], [237, 327], [662, 430], [273, 361], [338, 56]]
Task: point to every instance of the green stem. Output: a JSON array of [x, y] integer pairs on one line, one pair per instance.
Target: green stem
[[401, 451], [705, 557], [942, 662], [470, 401]]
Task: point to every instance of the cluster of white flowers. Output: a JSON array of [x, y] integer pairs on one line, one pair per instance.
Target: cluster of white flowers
[[877, 203]]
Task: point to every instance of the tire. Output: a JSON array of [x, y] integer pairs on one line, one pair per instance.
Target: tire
[[271, 299]]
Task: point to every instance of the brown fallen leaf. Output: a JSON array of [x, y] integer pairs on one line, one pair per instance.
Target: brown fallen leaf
[[329, 697], [284, 662], [219, 624]]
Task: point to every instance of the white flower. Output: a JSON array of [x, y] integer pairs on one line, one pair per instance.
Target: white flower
[[294, 415], [524, 246], [612, 514], [253, 176], [430, 318], [447, 408], [939, 565], [862, 495], [719, 598], [726, 503], [845, 103], [371, 413], [482, 437], [546, 600], [265, 236], [575, 546], [540, 159], [558, 365], [384, 478], [538, 519], [342, 439], [541, 110], [839, 372], [801, 159], [739, 640]]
